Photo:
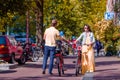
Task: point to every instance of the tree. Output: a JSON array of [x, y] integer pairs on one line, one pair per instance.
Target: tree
[[17, 17], [10, 8], [73, 14], [39, 21]]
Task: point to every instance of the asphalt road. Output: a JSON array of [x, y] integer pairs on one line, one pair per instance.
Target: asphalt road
[[107, 68]]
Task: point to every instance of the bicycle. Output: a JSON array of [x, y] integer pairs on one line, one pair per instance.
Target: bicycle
[[37, 53], [78, 61], [59, 59], [32, 52]]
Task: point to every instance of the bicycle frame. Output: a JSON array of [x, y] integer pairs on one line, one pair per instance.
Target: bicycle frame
[[79, 54], [59, 61], [59, 58]]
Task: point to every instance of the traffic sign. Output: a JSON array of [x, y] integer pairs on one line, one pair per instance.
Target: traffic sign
[[109, 15]]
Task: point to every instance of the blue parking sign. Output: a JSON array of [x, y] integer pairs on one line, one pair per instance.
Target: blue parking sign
[[109, 15]]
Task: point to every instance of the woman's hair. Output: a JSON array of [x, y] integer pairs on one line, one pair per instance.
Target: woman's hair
[[87, 27]]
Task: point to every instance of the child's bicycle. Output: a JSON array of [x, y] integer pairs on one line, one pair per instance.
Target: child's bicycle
[[59, 59], [78, 60]]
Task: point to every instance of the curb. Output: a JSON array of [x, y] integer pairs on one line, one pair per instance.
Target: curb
[[7, 66]]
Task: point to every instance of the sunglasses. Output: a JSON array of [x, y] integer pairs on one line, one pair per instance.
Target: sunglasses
[[85, 28]]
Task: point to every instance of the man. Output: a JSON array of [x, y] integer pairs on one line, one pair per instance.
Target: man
[[50, 37], [98, 46]]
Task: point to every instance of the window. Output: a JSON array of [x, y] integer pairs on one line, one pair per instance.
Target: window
[[2, 40]]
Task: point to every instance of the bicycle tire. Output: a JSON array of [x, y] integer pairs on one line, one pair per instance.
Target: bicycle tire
[[77, 71], [58, 66], [77, 67], [60, 70], [35, 56]]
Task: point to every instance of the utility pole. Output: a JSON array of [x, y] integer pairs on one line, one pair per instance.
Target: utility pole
[[27, 27]]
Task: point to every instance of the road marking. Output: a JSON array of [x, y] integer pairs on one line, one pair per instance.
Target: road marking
[[88, 76]]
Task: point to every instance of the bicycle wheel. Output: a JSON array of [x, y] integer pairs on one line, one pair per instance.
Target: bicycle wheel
[[58, 65], [62, 70], [77, 71], [77, 67], [35, 56], [40, 51]]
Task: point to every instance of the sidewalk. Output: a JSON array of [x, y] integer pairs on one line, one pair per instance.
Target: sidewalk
[[107, 68]]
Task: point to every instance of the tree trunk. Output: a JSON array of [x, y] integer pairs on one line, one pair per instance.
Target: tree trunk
[[38, 28], [39, 22]]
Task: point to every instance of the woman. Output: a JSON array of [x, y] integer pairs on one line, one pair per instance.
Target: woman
[[87, 37]]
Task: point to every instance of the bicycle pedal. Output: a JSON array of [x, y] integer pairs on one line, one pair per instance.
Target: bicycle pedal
[[74, 61], [64, 69]]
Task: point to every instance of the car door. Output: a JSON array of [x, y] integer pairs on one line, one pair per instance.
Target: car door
[[13, 44]]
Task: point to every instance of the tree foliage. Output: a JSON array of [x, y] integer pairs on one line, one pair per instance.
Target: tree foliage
[[73, 14], [9, 9]]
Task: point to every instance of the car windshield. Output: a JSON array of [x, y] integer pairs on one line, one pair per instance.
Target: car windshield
[[2, 40]]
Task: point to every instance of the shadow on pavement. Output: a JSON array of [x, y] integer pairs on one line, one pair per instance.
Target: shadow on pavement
[[46, 77], [110, 77], [105, 70], [31, 65], [7, 71], [107, 63]]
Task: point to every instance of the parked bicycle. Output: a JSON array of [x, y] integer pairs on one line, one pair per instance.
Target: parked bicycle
[[37, 53], [118, 53], [32, 52]]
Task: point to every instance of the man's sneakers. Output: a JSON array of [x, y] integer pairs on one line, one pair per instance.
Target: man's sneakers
[[43, 72], [49, 73]]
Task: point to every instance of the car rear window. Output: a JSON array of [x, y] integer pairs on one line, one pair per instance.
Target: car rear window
[[2, 40]]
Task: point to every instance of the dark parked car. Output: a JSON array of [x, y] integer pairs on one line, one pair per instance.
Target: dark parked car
[[10, 51]]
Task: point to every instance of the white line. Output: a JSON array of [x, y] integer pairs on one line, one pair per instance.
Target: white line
[[88, 76]]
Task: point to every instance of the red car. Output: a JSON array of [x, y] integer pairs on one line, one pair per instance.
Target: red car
[[10, 51]]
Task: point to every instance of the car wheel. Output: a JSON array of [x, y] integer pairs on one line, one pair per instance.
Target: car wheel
[[22, 59], [12, 59]]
